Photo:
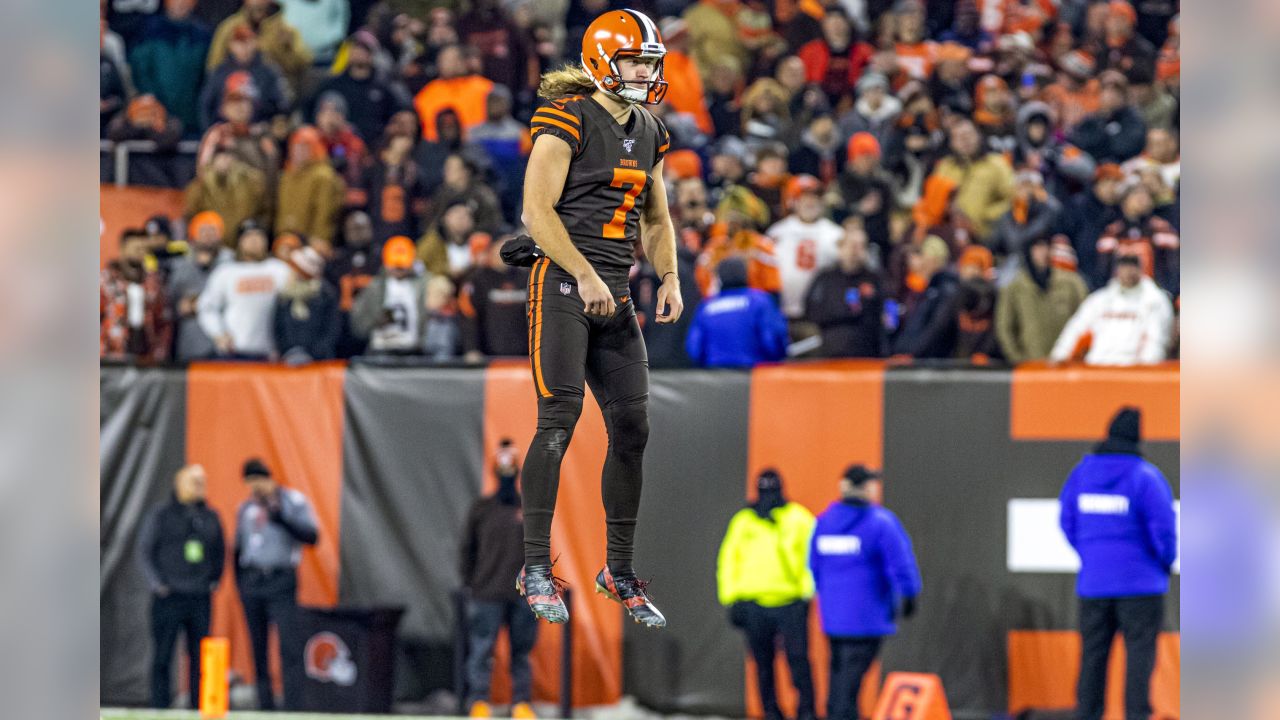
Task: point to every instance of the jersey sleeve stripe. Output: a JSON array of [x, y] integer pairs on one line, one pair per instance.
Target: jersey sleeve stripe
[[563, 126], [664, 147], [560, 113]]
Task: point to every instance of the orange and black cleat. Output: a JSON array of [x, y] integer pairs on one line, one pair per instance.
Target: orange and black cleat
[[544, 593], [628, 591]]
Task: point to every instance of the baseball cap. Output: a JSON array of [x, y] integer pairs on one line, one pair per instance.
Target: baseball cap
[[859, 474]]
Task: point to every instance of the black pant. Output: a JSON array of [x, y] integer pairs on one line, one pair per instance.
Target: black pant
[[850, 659], [764, 626], [567, 346], [486, 620], [269, 598], [174, 613], [1137, 618]]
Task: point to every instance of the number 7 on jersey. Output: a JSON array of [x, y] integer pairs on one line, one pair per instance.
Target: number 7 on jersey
[[635, 179]]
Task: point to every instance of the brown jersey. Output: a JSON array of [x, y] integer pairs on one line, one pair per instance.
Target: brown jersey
[[609, 176]]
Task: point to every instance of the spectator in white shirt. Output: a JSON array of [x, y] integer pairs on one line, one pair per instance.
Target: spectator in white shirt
[[1129, 321], [237, 308], [806, 242]]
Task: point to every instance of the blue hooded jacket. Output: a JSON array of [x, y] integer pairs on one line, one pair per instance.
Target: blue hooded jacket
[[863, 566], [740, 327], [1117, 512]]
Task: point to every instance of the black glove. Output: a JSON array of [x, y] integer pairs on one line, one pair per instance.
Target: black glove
[[521, 252], [908, 607], [738, 614]]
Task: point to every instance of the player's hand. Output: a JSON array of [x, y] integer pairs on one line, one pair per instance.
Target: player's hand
[[670, 304], [596, 298]]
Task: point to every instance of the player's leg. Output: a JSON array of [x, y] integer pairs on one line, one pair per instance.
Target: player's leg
[[618, 372], [558, 336]]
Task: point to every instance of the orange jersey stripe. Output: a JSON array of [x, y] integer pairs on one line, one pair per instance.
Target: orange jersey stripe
[[536, 347], [565, 126], [560, 113]]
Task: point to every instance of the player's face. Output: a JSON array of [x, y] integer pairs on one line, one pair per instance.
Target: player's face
[[636, 72]]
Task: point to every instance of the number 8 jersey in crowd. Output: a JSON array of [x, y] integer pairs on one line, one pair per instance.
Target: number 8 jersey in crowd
[[608, 179]]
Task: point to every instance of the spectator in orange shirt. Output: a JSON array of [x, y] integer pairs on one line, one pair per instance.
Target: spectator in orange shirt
[[836, 60], [1075, 93], [457, 88], [915, 53], [739, 216], [684, 85]]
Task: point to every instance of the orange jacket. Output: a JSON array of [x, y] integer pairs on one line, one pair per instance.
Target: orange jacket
[[466, 95], [684, 88], [756, 249]]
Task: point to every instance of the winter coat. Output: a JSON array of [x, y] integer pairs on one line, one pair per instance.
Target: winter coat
[[169, 63], [766, 561], [1128, 326], [310, 200], [929, 330], [1111, 138], [240, 195], [1030, 319], [740, 327], [984, 188]]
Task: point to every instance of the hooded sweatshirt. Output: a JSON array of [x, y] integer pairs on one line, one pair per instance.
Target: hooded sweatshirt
[[1117, 512], [1129, 326], [863, 566]]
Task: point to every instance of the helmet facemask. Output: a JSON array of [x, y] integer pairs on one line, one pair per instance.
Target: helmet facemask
[[613, 84]]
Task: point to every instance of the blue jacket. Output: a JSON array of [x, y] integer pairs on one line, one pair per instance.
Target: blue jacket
[[863, 566], [737, 328], [1117, 512]]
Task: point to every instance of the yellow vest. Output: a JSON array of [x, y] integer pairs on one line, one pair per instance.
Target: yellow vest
[[766, 562]]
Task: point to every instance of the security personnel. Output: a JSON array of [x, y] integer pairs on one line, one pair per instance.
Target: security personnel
[[1117, 512], [271, 528], [866, 575], [182, 554], [764, 580]]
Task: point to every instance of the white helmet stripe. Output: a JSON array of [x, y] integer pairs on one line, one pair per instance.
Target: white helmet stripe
[[646, 26]]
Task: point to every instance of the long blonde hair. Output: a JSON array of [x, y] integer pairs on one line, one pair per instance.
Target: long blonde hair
[[565, 82]]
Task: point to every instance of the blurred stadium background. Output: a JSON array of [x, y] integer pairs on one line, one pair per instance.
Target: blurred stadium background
[[414, 117]]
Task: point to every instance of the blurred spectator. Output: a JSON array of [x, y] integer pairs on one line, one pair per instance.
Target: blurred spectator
[[501, 45], [1075, 93], [452, 245], [229, 187], [1060, 165], [766, 114], [250, 142], [722, 97], [431, 155], [168, 62], [804, 242], [738, 327], [763, 577], [1161, 155], [160, 243], [237, 305], [1117, 131], [355, 263], [950, 85], [112, 93], [769, 177], [665, 341], [984, 180], [729, 160], [819, 153], [917, 142], [865, 191], [994, 114], [685, 91], [457, 88], [133, 314], [492, 302], [187, 281], [346, 151], [1129, 321], [370, 101], [279, 41], [272, 525], [393, 188], [847, 301], [836, 60], [1118, 514], [1158, 106], [866, 576], [929, 328], [306, 312], [875, 112], [735, 234], [967, 30], [714, 38], [506, 142], [442, 339], [1125, 50], [912, 49], [1036, 304], [976, 306], [322, 24], [311, 192], [146, 119], [492, 552], [462, 182], [1140, 232], [1087, 215], [110, 43], [245, 71], [391, 311], [182, 553], [1034, 214]]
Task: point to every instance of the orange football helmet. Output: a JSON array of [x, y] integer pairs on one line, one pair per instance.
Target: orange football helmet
[[623, 34]]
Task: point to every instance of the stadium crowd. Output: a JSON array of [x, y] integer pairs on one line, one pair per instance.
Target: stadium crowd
[[978, 180]]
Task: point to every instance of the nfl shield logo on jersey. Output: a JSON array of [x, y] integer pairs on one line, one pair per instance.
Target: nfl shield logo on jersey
[[628, 144], [565, 288]]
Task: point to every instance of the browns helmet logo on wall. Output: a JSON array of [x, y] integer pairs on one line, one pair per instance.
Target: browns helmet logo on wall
[[327, 659]]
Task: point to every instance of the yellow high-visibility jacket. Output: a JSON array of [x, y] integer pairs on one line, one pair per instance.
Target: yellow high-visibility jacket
[[766, 562]]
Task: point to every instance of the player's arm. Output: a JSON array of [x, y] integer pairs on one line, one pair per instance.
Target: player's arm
[[544, 182], [658, 235]]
